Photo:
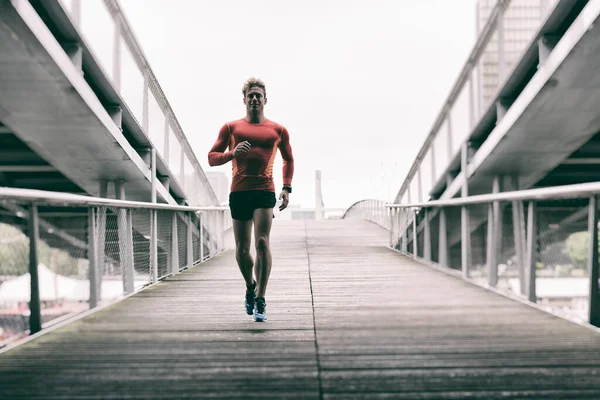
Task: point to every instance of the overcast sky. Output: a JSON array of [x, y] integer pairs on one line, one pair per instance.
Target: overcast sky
[[358, 84]]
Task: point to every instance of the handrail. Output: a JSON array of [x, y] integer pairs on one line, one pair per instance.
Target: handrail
[[357, 203], [59, 198], [554, 193]]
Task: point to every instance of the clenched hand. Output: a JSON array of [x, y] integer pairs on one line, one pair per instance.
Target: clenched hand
[[285, 197], [242, 148]]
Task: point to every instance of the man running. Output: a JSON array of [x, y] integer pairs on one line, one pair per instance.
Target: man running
[[253, 142]]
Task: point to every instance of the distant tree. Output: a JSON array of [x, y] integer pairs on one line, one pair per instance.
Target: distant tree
[[14, 254], [577, 246]]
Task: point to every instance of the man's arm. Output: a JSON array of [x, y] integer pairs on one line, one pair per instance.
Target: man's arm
[[217, 155], [288, 158], [288, 167]]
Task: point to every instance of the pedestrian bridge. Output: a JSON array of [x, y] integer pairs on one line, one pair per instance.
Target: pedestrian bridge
[[478, 282], [348, 318]]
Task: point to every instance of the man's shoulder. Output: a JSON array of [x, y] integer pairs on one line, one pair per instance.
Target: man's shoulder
[[277, 126], [234, 122]]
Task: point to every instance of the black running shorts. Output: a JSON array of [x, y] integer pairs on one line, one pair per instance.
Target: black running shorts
[[243, 203]]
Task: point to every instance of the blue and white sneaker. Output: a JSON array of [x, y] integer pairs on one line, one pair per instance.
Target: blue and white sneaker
[[250, 296], [260, 309]]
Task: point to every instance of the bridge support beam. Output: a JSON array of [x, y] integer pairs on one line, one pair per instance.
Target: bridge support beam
[[545, 46], [75, 53], [594, 304]]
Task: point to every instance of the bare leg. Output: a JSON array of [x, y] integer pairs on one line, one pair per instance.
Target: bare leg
[[242, 231], [263, 219]]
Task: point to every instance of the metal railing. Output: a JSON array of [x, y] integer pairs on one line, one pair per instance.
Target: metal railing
[[533, 244], [109, 39], [62, 254], [371, 210], [475, 94]]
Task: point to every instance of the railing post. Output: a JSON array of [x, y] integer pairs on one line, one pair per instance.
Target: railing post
[[174, 245], [101, 240], [472, 116], [125, 240], [494, 234], [190, 241], [531, 250], [594, 302], [517, 216], [492, 260], [434, 175], [501, 53], [449, 138], [116, 67], [443, 240], [35, 316], [415, 244], [76, 13], [404, 232], [201, 230], [146, 104], [154, 245], [93, 257], [129, 260], [427, 238], [464, 216], [392, 226]]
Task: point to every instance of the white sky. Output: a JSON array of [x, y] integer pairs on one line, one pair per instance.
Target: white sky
[[358, 84]]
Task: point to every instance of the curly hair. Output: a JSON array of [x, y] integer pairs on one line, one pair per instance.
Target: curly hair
[[254, 82]]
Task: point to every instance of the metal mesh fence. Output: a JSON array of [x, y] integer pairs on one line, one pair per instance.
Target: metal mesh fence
[[165, 242], [506, 254], [141, 247], [62, 268], [89, 255]]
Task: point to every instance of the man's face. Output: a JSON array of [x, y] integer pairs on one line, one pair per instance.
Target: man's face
[[255, 99]]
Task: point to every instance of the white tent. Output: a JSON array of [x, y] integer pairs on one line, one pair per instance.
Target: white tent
[[52, 287]]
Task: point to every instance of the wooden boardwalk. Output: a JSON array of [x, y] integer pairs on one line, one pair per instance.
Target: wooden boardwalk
[[347, 319]]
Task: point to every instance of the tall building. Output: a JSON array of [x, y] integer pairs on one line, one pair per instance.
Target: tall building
[[521, 21], [220, 184]]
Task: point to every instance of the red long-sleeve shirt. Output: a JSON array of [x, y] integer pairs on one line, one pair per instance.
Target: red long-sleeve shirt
[[254, 169]]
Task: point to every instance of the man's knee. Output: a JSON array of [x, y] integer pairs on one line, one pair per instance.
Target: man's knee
[[243, 251], [262, 244]]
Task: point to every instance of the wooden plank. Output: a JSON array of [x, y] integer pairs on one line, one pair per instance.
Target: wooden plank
[[348, 318]]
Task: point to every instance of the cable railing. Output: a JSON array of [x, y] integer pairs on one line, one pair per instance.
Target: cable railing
[[370, 210], [62, 254], [530, 244]]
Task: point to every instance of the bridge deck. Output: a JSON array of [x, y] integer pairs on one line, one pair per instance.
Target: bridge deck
[[348, 319]]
